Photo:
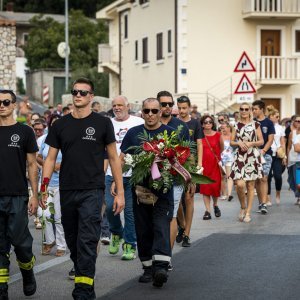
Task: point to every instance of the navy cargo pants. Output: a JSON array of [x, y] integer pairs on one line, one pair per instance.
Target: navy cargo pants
[[152, 225], [81, 219], [14, 231]]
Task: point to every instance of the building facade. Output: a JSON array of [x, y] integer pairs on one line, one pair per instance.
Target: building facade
[[191, 47]]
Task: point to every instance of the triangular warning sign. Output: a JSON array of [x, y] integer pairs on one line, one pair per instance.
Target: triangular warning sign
[[245, 86], [244, 64]]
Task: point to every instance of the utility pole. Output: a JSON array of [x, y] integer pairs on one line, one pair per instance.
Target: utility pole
[[67, 43]]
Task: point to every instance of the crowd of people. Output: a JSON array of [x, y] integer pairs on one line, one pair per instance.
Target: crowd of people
[[73, 157]]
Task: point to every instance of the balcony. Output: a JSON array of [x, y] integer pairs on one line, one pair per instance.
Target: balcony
[[271, 9], [278, 70], [105, 60]]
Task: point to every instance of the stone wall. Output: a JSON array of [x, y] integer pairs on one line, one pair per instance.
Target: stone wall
[[8, 54]]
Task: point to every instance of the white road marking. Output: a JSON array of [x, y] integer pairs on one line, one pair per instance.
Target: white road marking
[[42, 267]]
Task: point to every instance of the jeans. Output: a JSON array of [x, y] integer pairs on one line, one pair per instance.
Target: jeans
[[292, 179], [115, 225], [276, 172]]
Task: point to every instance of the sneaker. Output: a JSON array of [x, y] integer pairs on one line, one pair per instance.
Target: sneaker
[[230, 198], [47, 248], [29, 283], [147, 276], [217, 211], [186, 241], [3, 291], [264, 209], [72, 274], [259, 208], [170, 267], [180, 235], [128, 252], [114, 244], [105, 240], [160, 277]]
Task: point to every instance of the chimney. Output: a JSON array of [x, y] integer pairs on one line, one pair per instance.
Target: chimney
[[10, 6]]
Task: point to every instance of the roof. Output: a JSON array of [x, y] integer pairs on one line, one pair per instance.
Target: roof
[[23, 18], [109, 11]]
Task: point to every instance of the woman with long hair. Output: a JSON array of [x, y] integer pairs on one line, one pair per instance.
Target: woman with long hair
[[212, 148], [278, 154], [247, 166]]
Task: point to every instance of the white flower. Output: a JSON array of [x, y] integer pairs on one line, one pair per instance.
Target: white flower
[[160, 145], [128, 159]]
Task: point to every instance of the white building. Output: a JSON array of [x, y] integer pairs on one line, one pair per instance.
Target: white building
[[192, 46]]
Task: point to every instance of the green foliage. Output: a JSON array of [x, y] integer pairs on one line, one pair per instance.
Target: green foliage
[[89, 7], [20, 86]]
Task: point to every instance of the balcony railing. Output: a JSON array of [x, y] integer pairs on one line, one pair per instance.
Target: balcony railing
[[278, 70], [105, 59], [271, 8]]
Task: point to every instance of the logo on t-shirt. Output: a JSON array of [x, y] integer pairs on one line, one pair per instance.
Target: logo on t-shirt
[[14, 141], [120, 135], [90, 131], [264, 129]]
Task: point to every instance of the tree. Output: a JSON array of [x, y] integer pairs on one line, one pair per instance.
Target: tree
[[84, 37], [58, 6]]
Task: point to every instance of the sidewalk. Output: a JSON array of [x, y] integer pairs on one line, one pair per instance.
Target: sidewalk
[[230, 239]]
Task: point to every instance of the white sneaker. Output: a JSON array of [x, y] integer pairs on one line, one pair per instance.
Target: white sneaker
[[105, 240]]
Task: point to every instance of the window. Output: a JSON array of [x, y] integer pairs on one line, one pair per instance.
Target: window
[[159, 46], [25, 38], [145, 50], [136, 55], [126, 27], [169, 41], [297, 41], [297, 106], [144, 1]]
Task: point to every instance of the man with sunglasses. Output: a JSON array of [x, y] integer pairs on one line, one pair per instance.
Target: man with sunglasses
[[166, 101], [17, 148], [122, 122], [196, 135], [268, 132], [82, 136], [152, 222]]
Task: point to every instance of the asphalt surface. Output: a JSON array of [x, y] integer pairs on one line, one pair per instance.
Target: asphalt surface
[[227, 260]]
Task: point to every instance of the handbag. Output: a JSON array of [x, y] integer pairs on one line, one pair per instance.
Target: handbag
[[145, 195], [220, 164], [280, 153]]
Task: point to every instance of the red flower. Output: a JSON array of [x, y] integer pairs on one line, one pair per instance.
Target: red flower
[[169, 153], [151, 146], [46, 180], [173, 172], [182, 154]]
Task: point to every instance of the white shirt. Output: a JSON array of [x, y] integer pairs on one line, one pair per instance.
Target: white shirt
[[279, 132], [121, 128]]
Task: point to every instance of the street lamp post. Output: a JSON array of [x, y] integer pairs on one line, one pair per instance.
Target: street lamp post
[[67, 44]]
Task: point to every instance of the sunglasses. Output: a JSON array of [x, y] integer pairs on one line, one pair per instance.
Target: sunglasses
[[297, 121], [154, 111], [221, 120], [38, 129], [5, 102], [244, 109], [207, 122], [81, 92], [182, 99], [165, 104]]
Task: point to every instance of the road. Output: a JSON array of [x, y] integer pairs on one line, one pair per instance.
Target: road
[[210, 238]]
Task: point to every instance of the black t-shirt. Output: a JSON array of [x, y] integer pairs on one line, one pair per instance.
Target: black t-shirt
[[15, 142], [132, 136], [82, 143], [174, 123], [195, 129], [267, 127]]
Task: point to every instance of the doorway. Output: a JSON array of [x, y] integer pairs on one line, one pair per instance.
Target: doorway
[[276, 102]]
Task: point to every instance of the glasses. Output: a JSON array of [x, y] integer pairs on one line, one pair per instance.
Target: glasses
[[207, 122], [154, 111], [244, 109], [221, 120], [38, 129], [165, 104], [183, 99], [5, 102], [81, 92], [297, 121]]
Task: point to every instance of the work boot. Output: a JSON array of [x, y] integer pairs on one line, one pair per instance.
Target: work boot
[[3, 291], [160, 277], [147, 276], [29, 283]]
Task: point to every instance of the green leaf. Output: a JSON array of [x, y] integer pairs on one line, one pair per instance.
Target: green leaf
[[52, 210], [201, 179], [50, 220]]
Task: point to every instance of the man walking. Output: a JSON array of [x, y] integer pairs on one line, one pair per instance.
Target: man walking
[[152, 222], [17, 147], [268, 131], [82, 137], [122, 122]]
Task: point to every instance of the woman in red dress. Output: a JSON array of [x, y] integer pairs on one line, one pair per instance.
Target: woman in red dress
[[212, 147]]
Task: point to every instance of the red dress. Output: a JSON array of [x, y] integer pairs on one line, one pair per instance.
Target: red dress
[[210, 165]]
